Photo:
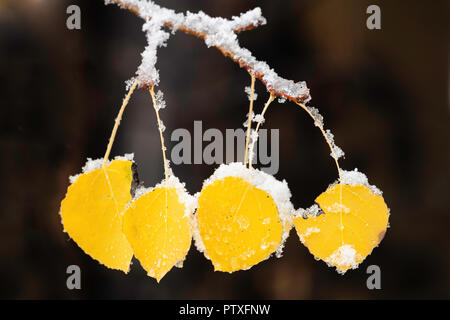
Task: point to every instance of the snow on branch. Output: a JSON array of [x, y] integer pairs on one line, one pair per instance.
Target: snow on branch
[[216, 32]]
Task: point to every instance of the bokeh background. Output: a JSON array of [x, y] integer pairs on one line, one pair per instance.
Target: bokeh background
[[383, 93]]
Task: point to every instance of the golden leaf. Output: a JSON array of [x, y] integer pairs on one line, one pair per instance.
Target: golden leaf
[[238, 223], [158, 230], [348, 230], [92, 213]]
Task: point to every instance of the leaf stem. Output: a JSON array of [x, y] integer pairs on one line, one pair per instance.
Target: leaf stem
[[255, 137], [250, 111], [163, 147], [117, 123], [330, 144]]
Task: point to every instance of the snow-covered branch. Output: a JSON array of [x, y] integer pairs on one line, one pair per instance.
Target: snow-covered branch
[[216, 32]]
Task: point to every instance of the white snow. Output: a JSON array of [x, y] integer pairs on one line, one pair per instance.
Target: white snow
[[247, 118], [161, 126], [344, 256], [258, 118], [248, 91], [356, 177], [126, 157], [251, 149], [338, 208], [196, 232], [74, 178], [129, 83], [312, 211], [94, 164], [336, 152], [318, 119], [159, 99]]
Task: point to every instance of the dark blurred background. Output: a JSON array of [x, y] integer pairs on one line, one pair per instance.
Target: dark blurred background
[[384, 94]]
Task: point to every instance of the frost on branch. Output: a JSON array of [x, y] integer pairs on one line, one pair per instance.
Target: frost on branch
[[216, 32], [248, 91], [336, 152], [318, 119], [258, 118], [159, 99], [249, 118]]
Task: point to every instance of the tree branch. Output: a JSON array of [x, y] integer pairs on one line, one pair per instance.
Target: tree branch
[[217, 32]]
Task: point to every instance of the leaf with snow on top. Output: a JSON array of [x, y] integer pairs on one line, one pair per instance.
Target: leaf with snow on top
[[158, 226], [350, 223], [243, 217]]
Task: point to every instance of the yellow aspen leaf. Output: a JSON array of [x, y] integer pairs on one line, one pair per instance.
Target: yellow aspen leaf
[[92, 213], [351, 225], [158, 226], [239, 224]]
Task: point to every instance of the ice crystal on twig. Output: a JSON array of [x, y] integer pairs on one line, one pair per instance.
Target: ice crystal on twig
[[336, 152], [248, 91]]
